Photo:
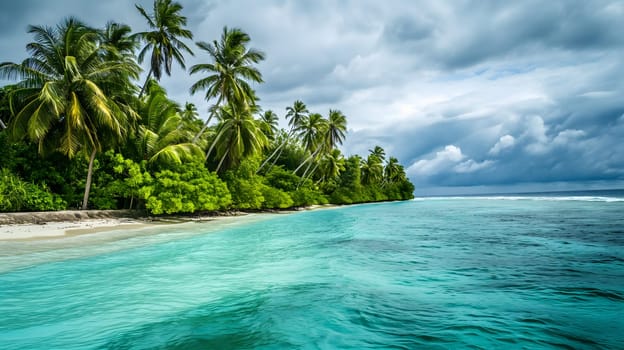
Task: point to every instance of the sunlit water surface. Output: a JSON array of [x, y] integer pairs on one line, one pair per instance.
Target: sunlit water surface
[[446, 273]]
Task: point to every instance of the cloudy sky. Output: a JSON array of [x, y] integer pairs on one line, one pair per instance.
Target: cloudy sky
[[471, 96]]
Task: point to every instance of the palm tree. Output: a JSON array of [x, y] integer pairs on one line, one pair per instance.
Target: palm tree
[[332, 133], [311, 132], [164, 136], [294, 115], [379, 153], [336, 128], [60, 102], [115, 38], [238, 135], [372, 169], [393, 171], [269, 124], [120, 45], [163, 41], [331, 165], [230, 72], [190, 111]]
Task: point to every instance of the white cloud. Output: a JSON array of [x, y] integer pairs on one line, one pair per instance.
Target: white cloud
[[565, 137], [470, 166], [536, 133], [506, 141], [450, 159], [443, 160]]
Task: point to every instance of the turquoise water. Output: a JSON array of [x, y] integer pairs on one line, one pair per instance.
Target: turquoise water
[[454, 273]]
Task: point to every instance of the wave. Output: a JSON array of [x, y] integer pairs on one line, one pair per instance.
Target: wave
[[528, 198]]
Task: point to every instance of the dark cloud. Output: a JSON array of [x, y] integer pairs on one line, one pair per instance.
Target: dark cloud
[[487, 94]]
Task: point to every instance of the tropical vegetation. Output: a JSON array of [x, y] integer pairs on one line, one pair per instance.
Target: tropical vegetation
[[78, 129]]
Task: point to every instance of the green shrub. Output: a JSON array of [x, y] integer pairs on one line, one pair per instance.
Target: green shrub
[[275, 198], [18, 195], [185, 189]]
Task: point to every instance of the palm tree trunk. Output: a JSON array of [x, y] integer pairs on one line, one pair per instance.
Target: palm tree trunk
[[271, 156], [149, 75], [222, 159], [214, 143], [212, 113], [204, 127], [280, 149], [275, 160], [306, 160], [305, 177], [85, 199]]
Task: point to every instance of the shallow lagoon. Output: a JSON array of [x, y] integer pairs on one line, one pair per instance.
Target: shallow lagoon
[[430, 274]]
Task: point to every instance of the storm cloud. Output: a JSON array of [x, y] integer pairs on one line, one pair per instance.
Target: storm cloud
[[467, 94]]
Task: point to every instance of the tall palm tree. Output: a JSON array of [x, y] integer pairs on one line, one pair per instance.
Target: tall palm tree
[[336, 128], [230, 72], [119, 45], [238, 135], [60, 103], [163, 40]]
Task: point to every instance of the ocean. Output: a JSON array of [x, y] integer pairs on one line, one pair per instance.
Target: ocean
[[538, 271]]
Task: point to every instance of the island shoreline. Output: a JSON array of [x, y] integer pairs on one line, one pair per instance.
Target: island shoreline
[[28, 226]]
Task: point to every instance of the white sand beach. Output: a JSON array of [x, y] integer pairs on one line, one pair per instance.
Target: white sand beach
[[66, 228]]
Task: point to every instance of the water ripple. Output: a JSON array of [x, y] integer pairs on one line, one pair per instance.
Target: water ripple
[[441, 274]]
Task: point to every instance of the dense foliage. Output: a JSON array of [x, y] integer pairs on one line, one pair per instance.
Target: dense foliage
[[78, 131]]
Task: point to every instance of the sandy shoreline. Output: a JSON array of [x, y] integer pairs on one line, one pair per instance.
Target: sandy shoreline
[[68, 224], [67, 228]]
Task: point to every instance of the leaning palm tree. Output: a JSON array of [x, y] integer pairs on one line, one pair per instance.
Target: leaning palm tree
[[295, 116], [167, 27], [331, 134], [230, 72], [60, 103], [311, 132]]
